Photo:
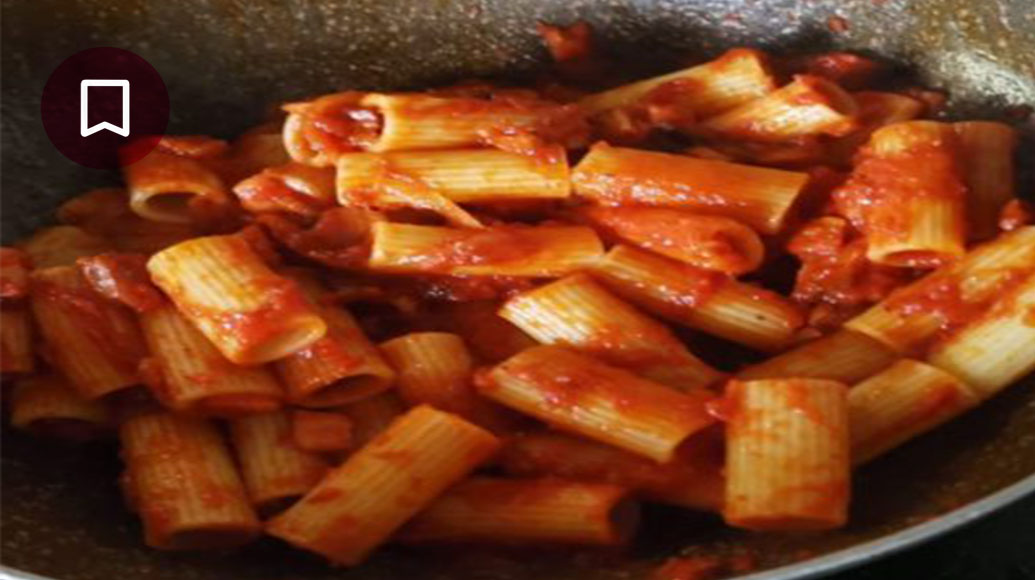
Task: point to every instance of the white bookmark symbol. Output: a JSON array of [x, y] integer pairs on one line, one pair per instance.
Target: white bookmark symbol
[[85, 129]]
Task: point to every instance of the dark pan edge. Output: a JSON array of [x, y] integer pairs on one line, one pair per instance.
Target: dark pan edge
[[885, 546], [840, 560]]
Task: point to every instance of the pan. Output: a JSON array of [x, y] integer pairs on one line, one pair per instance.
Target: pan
[[226, 62]]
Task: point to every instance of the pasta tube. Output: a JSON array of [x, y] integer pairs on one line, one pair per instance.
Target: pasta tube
[[275, 471], [759, 197], [577, 393], [14, 273], [47, 405], [167, 187], [16, 356], [903, 401], [222, 286], [578, 313], [808, 106], [359, 504], [484, 509], [196, 377], [497, 251], [694, 482], [701, 299], [291, 188], [182, 482], [995, 350], [736, 77], [94, 342], [342, 366], [913, 316], [435, 368], [709, 242], [462, 176], [845, 356], [907, 195], [787, 455], [62, 246], [320, 431], [986, 154]]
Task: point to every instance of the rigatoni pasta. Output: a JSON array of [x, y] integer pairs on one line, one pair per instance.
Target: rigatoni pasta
[[47, 405], [759, 197], [16, 337], [183, 484], [359, 504], [986, 152], [222, 285], [578, 313], [908, 196], [497, 251], [691, 480], [462, 175], [94, 342], [806, 107], [844, 355], [576, 393], [193, 376], [737, 76], [787, 457], [551, 510], [340, 367], [913, 316], [435, 368], [994, 350], [274, 470], [905, 400], [709, 242], [701, 299], [166, 186]]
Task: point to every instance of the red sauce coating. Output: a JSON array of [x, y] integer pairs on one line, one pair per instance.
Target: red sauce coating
[[837, 24], [1015, 214], [319, 431], [689, 568], [123, 278], [836, 273], [873, 197], [109, 326], [192, 146], [14, 273], [850, 71], [294, 189], [496, 245], [336, 124], [939, 297], [573, 50], [710, 242], [340, 238]]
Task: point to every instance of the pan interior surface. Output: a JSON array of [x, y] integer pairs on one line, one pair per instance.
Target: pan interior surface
[[225, 63]]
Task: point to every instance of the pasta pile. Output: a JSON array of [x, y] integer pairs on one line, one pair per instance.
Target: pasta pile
[[474, 314]]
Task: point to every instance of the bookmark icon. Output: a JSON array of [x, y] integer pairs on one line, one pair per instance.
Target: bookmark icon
[[85, 129]]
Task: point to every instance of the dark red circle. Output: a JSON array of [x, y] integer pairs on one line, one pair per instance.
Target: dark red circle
[[148, 102]]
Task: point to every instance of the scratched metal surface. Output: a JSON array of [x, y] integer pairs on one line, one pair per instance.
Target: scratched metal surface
[[226, 61]]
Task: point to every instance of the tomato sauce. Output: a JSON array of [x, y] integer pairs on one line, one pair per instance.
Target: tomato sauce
[[848, 70], [123, 278], [1016, 214], [875, 194], [110, 328], [836, 273], [497, 245], [340, 238], [14, 273]]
